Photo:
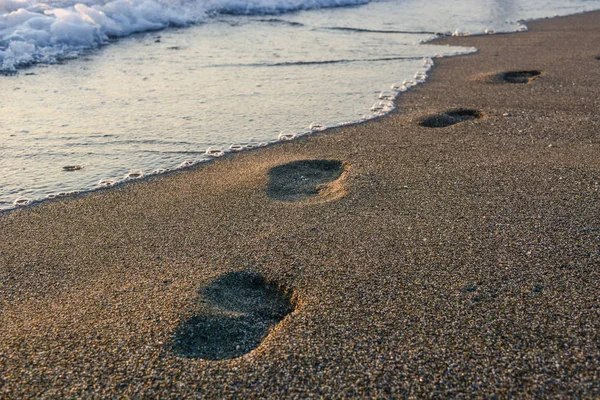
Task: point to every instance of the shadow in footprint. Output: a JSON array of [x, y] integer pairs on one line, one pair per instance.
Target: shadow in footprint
[[240, 310], [303, 179], [519, 76], [449, 118]]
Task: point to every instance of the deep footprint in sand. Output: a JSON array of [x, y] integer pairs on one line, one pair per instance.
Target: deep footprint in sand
[[239, 310], [449, 118], [518, 76], [305, 179]]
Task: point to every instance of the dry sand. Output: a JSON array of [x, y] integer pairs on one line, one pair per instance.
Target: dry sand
[[436, 262]]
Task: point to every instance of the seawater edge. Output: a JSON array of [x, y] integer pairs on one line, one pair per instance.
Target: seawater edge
[[297, 136], [189, 166], [21, 203]]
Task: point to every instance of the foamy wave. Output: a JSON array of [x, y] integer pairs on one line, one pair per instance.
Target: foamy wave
[[32, 32]]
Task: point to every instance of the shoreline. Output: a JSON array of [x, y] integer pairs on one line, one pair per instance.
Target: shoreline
[[432, 262], [21, 202], [194, 164]]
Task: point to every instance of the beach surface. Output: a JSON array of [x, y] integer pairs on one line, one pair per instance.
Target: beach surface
[[451, 248]]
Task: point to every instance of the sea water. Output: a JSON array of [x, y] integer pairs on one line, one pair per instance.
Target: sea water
[[93, 93]]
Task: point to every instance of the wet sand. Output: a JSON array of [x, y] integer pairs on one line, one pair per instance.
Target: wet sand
[[414, 262]]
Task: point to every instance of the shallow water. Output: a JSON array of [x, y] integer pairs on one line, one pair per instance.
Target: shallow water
[[160, 99]]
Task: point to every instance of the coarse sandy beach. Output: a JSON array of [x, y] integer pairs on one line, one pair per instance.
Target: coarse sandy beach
[[395, 258]]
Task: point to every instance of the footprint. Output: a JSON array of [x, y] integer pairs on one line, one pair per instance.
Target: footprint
[[449, 118], [240, 308], [518, 76], [301, 180], [525, 76]]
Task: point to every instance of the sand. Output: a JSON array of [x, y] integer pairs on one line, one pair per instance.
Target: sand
[[427, 262]]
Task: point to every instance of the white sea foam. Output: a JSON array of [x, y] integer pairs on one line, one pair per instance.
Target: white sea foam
[[102, 182], [317, 127], [420, 76], [387, 95], [32, 32], [186, 164], [286, 135], [214, 152], [21, 202], [383, 107], [400, 87]]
